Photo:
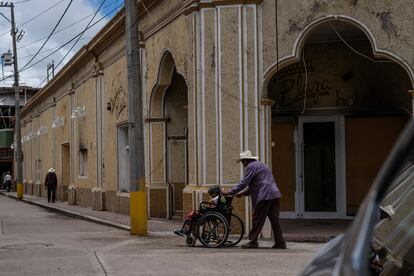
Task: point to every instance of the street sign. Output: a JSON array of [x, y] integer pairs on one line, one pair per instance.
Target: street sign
[[7, 59]]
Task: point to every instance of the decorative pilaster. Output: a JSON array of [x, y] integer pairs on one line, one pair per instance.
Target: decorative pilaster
[[71, 187], [98, 192], [267, 104]]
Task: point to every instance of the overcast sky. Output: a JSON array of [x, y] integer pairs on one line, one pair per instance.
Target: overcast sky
[[79, 14]]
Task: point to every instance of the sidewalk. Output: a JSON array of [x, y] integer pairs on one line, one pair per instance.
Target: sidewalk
[[293, 230]]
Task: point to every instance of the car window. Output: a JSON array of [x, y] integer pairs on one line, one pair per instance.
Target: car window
[[395, 235]]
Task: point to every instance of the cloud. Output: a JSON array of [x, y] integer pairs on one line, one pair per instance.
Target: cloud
[[78, 15]]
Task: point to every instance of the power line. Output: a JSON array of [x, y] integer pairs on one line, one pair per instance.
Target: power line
[[86, 28], [355, 51], [77, 40], [51, 49], [24, 1], [51, 33], [73, 45], [64, 28], [40, 14], [5, 17], [36, 16], [62, 46]]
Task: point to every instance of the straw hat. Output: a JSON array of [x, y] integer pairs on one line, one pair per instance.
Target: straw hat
[[247, 155], [52, 170]]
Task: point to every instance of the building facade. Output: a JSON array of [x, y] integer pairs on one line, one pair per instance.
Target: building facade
[[319, 90], [7, 111]]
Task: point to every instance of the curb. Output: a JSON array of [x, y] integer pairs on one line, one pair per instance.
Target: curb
[[288, 237], [73, 214], [308, 239]]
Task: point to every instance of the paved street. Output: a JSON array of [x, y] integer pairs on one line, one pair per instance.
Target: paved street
[[38, 242]]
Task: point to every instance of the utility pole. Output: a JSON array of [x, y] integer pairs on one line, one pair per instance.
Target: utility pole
[[50, 70], [18, 148], [138, 198]]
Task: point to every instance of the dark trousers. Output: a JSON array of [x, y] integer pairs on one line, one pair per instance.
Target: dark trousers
[[270, 209], [51, 192], [8, 186]]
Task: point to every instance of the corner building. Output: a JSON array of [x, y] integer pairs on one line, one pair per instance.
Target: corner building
[[319, 90]]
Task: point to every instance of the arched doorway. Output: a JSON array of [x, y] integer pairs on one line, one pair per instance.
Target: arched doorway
[[338, 110], [168, 147], [175, 108]]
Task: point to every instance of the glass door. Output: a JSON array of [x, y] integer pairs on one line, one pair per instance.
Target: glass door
[[320, 168]]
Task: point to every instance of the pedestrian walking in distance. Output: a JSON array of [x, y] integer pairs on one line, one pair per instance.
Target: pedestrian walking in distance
[[8, 181], [51, 184], [265, 197]]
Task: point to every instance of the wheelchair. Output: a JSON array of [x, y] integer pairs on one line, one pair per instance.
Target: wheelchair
[[214, 225]]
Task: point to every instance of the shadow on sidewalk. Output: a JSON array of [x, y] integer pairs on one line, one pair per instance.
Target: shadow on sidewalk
[[295, 230]]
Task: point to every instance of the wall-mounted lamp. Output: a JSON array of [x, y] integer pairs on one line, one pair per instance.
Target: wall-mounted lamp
[[31, 136], [59, 122], [12, 146], [78, 112], [41, 130]]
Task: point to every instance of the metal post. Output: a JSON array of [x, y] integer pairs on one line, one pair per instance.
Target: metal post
[[138, 202], [19, 157]]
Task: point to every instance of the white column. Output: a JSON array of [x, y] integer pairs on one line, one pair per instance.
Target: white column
[[267, 104]]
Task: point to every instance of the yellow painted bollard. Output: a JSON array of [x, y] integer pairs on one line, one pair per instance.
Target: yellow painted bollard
[[20, 191], [138, 213]]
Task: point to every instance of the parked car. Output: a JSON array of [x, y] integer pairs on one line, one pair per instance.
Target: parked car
[[371, 245]]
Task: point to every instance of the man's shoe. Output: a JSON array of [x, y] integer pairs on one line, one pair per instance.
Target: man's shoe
[[250, 245], [279, 246]]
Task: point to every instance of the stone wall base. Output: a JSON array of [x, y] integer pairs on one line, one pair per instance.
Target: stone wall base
[[38, 189], [72, 195], [98, 199]]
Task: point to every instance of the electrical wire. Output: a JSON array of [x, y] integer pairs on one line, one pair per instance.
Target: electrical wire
[[77, 40], [66, 27], [50, 35], [5, 17], [145, 7], [63, 45], [277, 38], [24, 1], [36, 16], [51, 49], [355, 51], [80, 35], [40, 14], [306, 81]]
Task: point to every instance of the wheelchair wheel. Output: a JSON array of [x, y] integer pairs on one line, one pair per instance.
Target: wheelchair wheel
[[190, 241], [212, 229], [236, 231]]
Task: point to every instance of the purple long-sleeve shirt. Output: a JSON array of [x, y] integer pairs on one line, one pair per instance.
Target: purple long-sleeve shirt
[[262, 185]]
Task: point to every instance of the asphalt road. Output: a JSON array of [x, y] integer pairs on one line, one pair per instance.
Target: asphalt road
[[34, 241]]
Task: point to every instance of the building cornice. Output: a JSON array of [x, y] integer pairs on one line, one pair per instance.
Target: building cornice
[[116, 28], [196, 5]]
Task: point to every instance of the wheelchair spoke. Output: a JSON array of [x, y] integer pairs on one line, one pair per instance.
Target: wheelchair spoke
[[213, 230]]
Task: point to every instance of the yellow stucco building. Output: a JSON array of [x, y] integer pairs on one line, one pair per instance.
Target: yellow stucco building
[[319, 90]]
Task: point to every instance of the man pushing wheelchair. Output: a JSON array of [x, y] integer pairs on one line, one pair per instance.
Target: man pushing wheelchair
[[265, 197], [213, 223]]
